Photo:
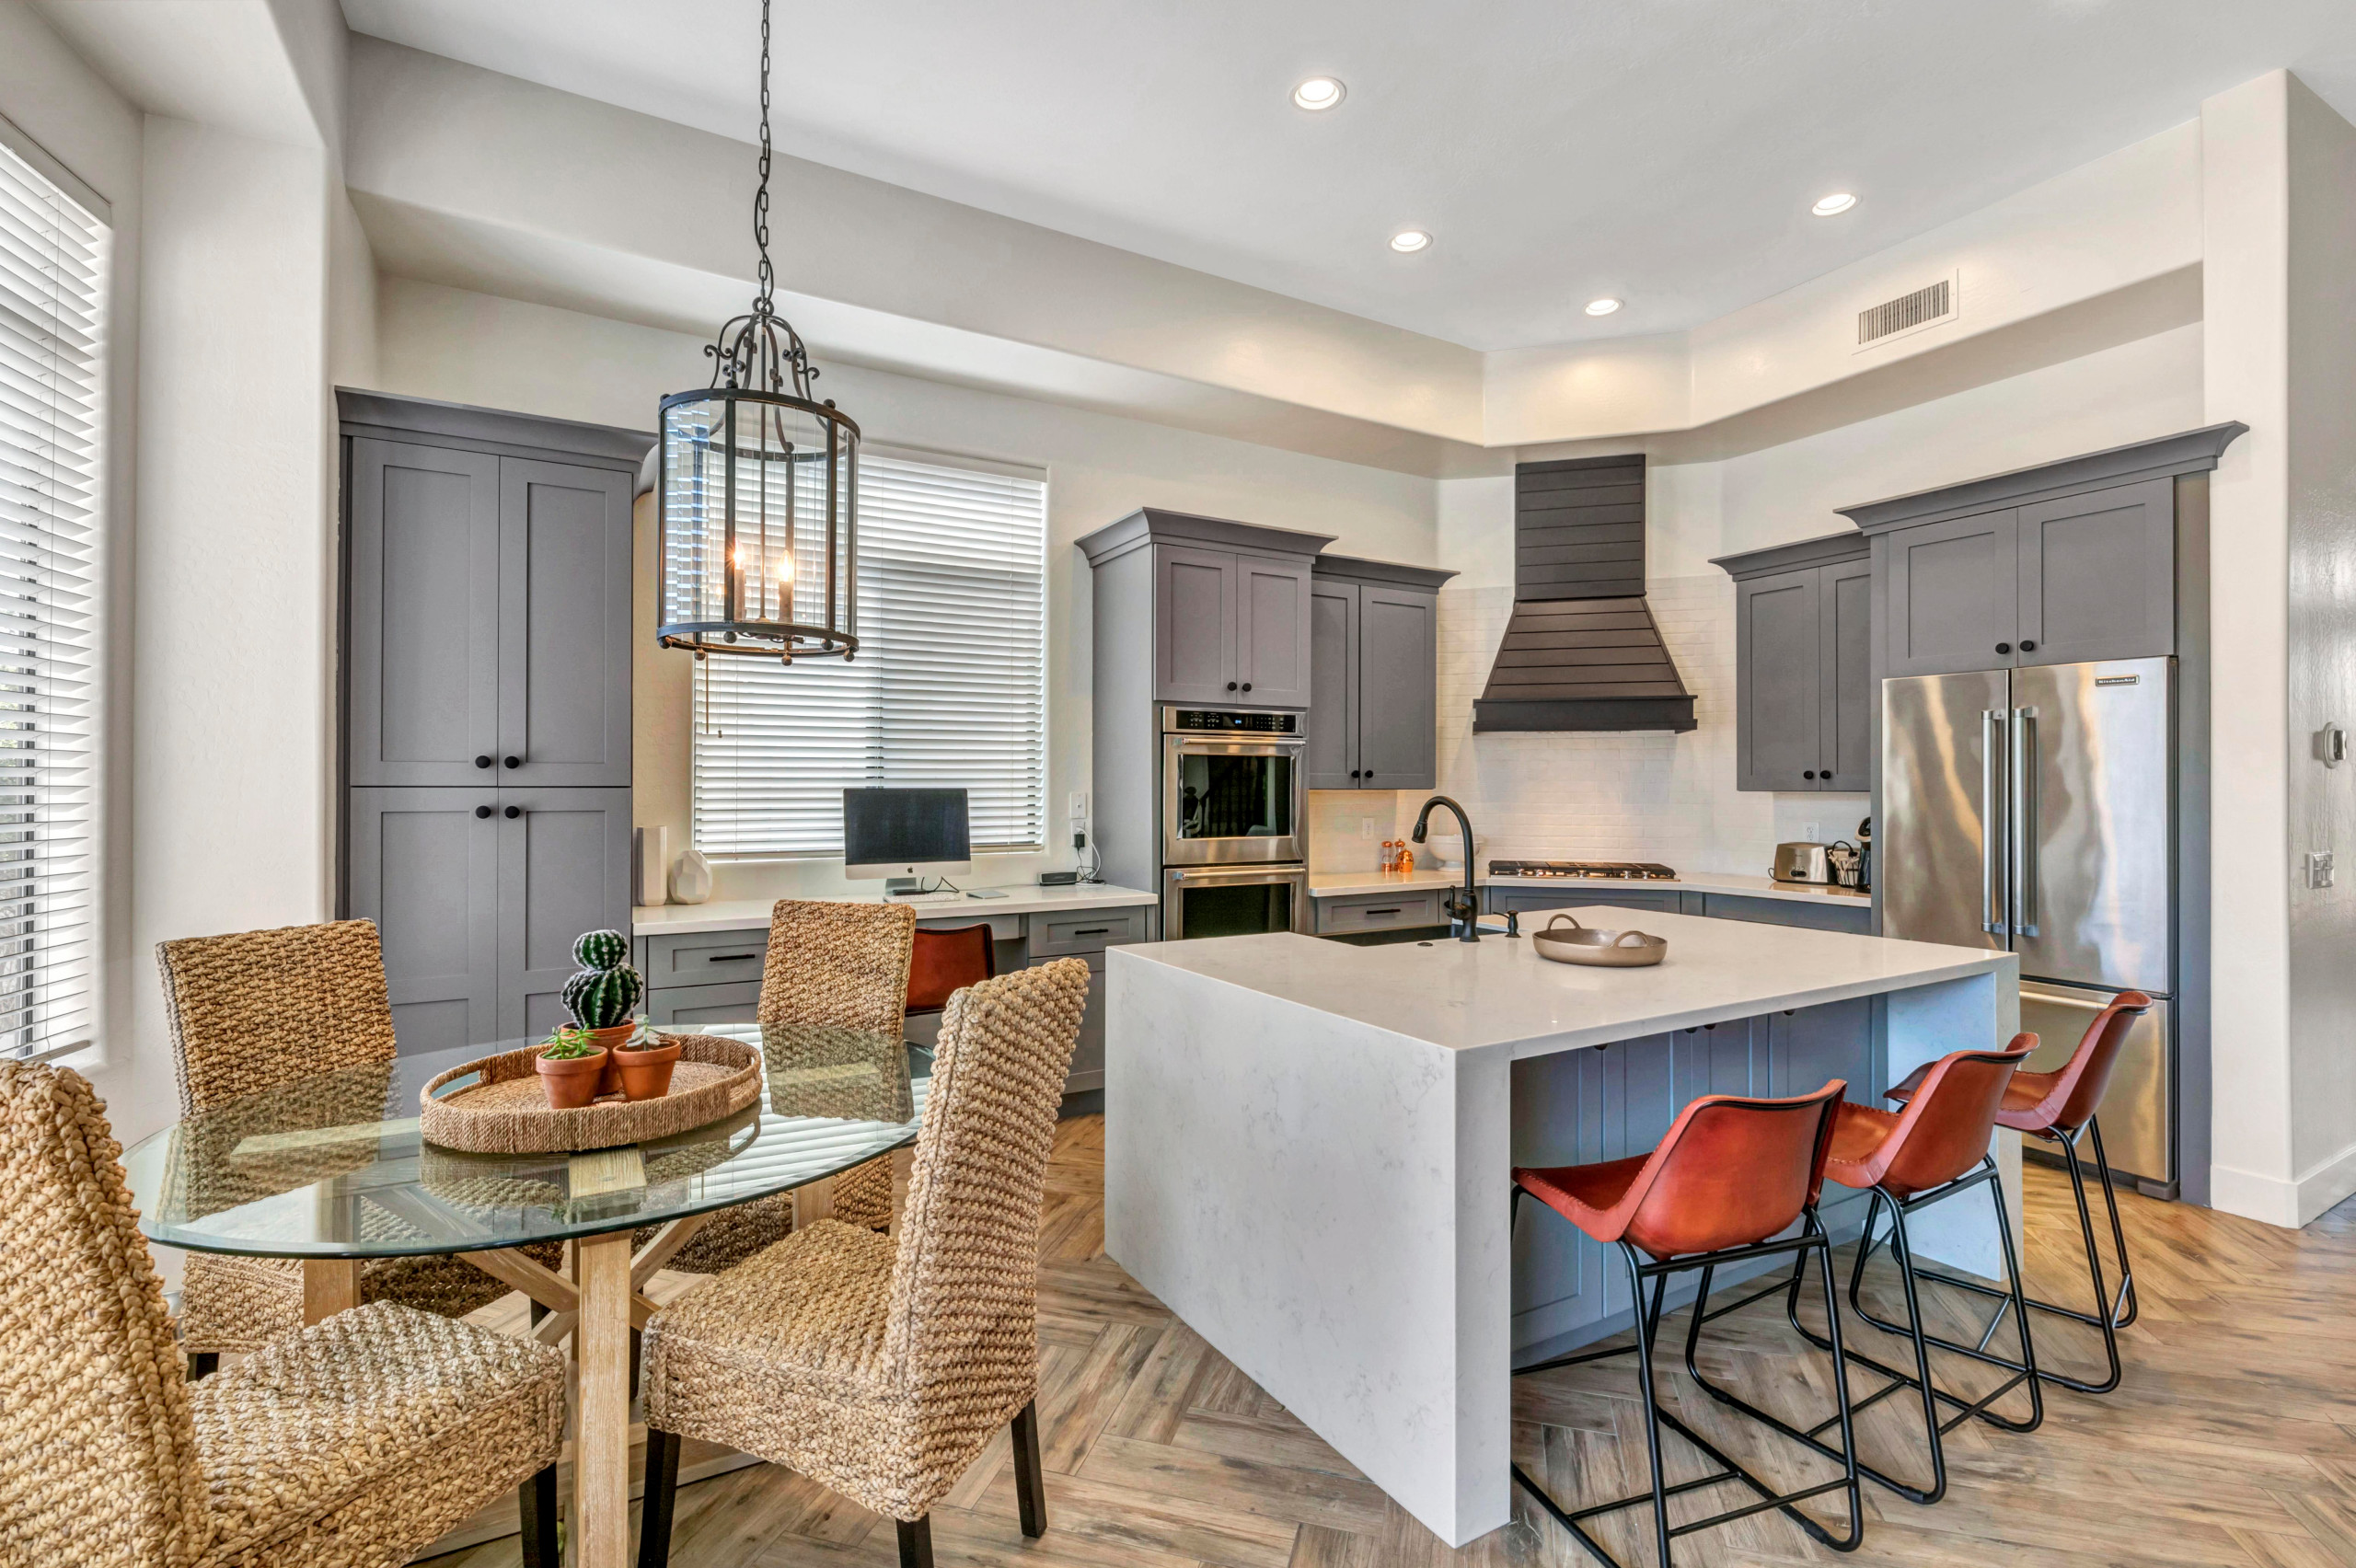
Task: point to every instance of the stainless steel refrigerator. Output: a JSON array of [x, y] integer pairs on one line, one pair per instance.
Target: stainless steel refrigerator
[[2033, 809]]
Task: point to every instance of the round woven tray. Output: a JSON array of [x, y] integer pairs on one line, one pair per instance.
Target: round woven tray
[[507, 1113]]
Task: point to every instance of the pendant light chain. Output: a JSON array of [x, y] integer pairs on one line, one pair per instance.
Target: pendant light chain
[[761, 200], [761, 346]]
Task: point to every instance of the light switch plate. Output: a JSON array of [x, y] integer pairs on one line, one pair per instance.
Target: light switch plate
[[1811, 832], [2318, 868], [1079, 812]]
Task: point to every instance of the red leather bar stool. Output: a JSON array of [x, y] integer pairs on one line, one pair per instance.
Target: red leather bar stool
[[1936, 1149], [948, 959], [2058, 1107], [1726, 1182]]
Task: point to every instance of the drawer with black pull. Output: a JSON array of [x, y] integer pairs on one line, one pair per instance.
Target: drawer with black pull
[[1381, 912], [706, 958], [1088, 930]]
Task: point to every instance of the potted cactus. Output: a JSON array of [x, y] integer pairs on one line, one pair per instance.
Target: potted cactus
[[603, 995], [571, 1065], [645, 1061]]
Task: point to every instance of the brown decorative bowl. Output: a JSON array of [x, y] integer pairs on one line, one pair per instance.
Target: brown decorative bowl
[[570, 1082], [646, 1075], [1600, 948]]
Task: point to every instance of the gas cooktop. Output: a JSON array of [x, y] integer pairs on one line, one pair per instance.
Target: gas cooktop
[[1607, 871]]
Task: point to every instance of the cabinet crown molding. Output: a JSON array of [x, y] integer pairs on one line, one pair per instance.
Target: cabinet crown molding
[[1357, 569], [1823, 551], [1151, 525], [466, 428], [2186, 452]]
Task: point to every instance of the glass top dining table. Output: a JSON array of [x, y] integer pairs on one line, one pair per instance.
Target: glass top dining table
[[332, 1166]]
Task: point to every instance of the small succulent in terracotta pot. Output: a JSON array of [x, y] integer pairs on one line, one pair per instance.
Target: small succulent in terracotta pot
[[570, 1065], [645, 1061]]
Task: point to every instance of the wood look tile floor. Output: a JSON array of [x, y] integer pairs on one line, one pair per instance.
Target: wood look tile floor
[[2231, 1441]]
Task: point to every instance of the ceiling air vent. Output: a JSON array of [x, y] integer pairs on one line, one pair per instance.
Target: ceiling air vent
[[1907, 313]]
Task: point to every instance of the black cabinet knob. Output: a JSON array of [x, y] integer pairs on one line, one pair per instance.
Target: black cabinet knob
[[515, 761], [2003, 648], [513, 812], [1808, 774], [1247, 686], [1230, 686], [483, 810], [482, 762], [2026, 646], [1370, 773]]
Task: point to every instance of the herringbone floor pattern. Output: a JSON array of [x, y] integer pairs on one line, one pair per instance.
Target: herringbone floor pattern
[[2233, 1441]]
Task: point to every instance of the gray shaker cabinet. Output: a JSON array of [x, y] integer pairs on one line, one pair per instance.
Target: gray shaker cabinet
[[1272, 631], [1803, 657], [1194, 625], [564, 587], [424, 864], [1955, 595], [423, 670], [2097, 575], [1374, 722], [563, 868]]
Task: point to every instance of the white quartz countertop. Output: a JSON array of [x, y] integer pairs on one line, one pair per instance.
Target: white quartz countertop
[[1499, 993], [1341, 885], [737, 914]]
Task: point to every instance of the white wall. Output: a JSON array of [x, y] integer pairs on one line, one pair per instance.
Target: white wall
[[469, 347], [1672, 797]]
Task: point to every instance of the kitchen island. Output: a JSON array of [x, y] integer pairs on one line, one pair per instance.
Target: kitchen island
[[1309, 1148]]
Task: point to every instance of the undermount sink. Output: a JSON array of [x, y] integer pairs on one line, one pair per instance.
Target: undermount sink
[[1390, 937]]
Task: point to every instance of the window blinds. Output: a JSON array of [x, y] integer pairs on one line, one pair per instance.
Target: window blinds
[[949, 689], [53, 308]]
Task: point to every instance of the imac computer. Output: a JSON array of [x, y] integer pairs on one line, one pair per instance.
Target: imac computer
[[903, 835]]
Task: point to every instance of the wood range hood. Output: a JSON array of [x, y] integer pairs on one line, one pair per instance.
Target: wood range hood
[[1582, 651]]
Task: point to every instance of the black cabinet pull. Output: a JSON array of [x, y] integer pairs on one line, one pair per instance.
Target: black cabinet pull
[[1807, 775], [1370, 773], [482, 762], [2026, 646], [729, 957], [1247, 686], [1230, 686], [2003, 648], [1392, 910], [515, 762], [514, 812], [1354, 773], [483, 810], [1096, 931]]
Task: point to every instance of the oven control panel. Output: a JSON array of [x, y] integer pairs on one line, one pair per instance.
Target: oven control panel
[[1211, 721]]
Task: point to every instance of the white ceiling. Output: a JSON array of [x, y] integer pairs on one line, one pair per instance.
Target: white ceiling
[[1664, 151]]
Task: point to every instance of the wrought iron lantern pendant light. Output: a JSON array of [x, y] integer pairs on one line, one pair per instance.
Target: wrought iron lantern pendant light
[[758, 495]]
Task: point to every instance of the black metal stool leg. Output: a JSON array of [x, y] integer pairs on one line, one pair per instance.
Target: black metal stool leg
[[660, 1503], [536, 1502], [2122, 1312]]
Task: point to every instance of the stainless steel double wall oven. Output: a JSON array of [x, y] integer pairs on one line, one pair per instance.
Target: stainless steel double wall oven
[[1234, 833]]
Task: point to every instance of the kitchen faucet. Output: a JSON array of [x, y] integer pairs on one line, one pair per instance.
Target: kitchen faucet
[[1463, 902]]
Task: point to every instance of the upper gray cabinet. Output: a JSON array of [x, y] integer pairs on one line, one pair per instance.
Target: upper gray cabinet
[[1803, 665], [2060, 564], [1375, 652], [1229, 622], [489, 608]]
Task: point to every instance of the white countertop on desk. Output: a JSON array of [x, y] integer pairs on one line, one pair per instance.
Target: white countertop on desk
[[1341, 885], [1499, 992], [739, 914]]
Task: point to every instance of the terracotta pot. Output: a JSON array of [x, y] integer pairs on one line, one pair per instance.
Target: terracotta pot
[[646, 1075], [570, 1082], [611, 1038]]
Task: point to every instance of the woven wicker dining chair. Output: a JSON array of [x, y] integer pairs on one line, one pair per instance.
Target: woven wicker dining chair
[[252, 1012], [881, 1367], [840, 965], [352, 1444]]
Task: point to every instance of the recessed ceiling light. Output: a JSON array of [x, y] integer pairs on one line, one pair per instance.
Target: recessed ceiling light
[[1832, 206], [1410, 240], [1319, 92], [1604, 306]]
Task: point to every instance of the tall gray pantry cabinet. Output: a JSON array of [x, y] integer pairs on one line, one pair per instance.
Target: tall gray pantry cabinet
[[485, 705]]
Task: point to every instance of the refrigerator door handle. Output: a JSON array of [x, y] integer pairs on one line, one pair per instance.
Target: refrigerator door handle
[[1991, 819], [2023, 820]]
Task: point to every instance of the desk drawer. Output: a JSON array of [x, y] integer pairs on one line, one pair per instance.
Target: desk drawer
[[1003, 927], [1380, 911], [706, 958], [686, 1007], [1088, 930]]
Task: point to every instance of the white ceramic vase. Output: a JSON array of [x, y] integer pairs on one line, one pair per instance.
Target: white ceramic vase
[[691, 879]]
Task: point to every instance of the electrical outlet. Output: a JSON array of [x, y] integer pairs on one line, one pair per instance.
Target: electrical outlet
[[1366, 827], [1811, 832], [1079, 812], [2318, 868]]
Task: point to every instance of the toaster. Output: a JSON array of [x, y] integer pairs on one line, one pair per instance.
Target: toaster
[[1803, 863]]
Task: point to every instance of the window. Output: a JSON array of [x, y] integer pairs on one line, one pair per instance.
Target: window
[[948, 688], [53, 308]]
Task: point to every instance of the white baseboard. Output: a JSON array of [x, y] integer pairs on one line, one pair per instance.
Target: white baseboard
[[2290, 1204]]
